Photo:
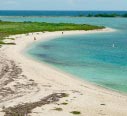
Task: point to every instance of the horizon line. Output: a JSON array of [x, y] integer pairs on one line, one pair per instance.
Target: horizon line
[[61, 10]]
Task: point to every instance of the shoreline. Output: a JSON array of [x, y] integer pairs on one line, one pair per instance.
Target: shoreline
[[83, 96]]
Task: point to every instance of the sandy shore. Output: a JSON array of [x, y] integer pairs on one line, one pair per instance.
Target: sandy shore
[[46, 91]]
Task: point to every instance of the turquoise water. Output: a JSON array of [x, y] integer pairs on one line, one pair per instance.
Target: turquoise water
[[54, 13], [91, 57]]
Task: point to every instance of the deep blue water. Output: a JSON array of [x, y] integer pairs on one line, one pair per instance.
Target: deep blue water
[[90, 57], [54, 13]]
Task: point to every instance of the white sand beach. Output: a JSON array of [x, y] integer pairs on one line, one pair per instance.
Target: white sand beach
[[33, 81]]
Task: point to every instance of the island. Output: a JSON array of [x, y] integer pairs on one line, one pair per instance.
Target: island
[[29, 87]]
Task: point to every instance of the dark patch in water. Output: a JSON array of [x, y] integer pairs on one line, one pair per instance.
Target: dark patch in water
[[45, 56], [46, 46], [59, 62], [49, 59], [52, 60], [111, 84]]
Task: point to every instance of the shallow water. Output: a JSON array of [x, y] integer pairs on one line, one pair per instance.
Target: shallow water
[[91, 57]]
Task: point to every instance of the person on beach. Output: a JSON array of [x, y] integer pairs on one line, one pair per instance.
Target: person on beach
[[34, 38], [62, 32]]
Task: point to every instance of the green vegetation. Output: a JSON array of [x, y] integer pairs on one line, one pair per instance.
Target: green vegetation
[[64, 103], [58, 109], [75, 112], [107, 15], [65, 95], [125, 15], [12, 28]]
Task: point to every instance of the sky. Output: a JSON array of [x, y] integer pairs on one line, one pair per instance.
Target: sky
[[63, 5]]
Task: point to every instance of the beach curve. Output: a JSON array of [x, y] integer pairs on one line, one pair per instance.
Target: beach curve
[[84, 97]]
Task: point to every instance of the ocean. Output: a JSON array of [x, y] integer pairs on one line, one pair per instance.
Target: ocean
[[99, 58], [54, 13]]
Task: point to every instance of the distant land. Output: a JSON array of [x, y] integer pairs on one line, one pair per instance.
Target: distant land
[[12, 28], [104, 15]]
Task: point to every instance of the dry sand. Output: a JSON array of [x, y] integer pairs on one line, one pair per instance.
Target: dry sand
[[29, 81]]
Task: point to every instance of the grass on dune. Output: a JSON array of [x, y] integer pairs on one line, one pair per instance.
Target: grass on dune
[[12, 28]]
